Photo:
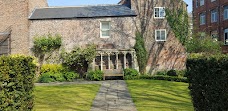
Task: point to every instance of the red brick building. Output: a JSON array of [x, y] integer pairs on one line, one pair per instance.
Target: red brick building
[[211, 17]]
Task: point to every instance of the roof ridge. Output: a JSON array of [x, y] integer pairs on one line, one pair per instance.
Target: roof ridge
[[79, 6]]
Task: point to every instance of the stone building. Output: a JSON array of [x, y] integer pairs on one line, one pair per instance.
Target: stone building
[[111, 27], [211, 17], [108, 26]]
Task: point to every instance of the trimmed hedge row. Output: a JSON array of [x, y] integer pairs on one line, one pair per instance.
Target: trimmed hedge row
[[208, 82], [16, 83], [167, 78]]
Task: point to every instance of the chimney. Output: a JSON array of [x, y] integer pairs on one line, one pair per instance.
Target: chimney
[[126, 3]]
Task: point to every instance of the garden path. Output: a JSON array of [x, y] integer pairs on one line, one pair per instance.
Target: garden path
[[112, 96]]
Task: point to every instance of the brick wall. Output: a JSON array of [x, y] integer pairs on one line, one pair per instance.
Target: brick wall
[[14, 14], [218, 26]]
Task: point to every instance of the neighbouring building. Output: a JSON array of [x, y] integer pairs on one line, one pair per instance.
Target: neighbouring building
[[211, 17], [165, 51], [111, 27]]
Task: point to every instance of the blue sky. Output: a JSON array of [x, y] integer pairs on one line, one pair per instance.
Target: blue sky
[[94, 2]]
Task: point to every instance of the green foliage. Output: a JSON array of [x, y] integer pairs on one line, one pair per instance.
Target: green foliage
[[198, 44], [16, 83], [208, 84], [178, 21], [70, 76], [79, 59], [172, 73], [45, 44], [96, 75], [56, 72], [46, 78], [141, 52], [55, 68], [167, 78], [130, 74]]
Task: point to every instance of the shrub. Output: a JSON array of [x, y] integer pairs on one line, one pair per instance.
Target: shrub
[[172, 73], [70, 76], [208, 84], [55, 68], [16, 83], [130, 74], [96, 75], [161, 73], [167, 78], [79, 59], [46, 78]]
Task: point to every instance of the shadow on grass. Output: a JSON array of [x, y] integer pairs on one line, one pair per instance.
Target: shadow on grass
[[160, 95]]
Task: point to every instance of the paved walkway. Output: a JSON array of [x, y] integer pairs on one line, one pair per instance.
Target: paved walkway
[[113, 96]]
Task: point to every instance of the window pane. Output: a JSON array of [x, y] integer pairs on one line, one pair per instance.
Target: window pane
[[163, 35], [106, 33], [158, 35], [156, 12], [162, 12], [226, 12], [105, 25]]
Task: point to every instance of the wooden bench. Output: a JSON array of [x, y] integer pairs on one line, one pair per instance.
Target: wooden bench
[[113, 73]]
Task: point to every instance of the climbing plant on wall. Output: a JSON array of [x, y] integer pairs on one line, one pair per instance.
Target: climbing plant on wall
[[178, 20], [45, 44]]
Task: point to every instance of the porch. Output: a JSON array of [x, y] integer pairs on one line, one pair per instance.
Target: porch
[[113, 61]]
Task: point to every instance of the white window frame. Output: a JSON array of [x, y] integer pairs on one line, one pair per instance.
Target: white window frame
[[225, 38], [202, 2], [160, 35], [214, 16], [159, 12], [101, 30], [202, 18], [225, 12]]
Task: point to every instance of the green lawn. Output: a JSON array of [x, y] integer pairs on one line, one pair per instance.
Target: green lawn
[[65, 98], [157, 95]]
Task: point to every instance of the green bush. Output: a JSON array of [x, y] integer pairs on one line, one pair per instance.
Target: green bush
[[55, 68], [96, 75], [161, 73], [167, 78], [207, 45], [46, 78], [79, 59], [208, 82], [172, 73], [56, 72], [16, 83], [130, 74], [70, 76]]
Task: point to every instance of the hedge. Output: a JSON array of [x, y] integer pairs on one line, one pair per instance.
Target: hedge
[[167, 78], [16, 83], [208, 82]]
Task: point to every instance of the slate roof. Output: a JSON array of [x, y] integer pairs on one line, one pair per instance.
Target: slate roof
[[82, 12]]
